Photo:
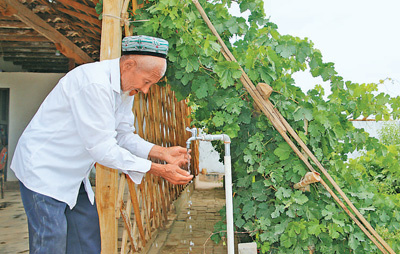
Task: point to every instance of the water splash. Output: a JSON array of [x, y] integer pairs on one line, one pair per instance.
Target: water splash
[[191, 244], [188, 156]]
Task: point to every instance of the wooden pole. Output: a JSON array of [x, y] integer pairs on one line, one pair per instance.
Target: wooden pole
[[106, 178], [136, 208], [111, 31]]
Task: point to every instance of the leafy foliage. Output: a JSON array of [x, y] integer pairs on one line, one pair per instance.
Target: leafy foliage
[[280, 218], [99, 9], [389, 134], [382, 168]]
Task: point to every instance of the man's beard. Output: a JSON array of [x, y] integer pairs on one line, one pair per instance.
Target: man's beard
[[125, 95]]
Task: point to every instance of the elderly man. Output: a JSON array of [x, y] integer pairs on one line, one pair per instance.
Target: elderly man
[[87, 118]]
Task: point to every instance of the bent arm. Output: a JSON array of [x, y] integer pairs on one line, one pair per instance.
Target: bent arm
[[94, 114]]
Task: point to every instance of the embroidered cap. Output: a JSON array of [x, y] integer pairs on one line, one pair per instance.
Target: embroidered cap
[[144, 45]]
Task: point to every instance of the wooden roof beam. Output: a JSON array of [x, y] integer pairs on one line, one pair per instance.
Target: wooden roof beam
[[18, 32], [32, 55], [22, 38], [66, 47], [24, 57], [34, 45], [13, 24], [36, 61]]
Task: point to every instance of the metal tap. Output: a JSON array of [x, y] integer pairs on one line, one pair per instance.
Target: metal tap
[[193, 137]]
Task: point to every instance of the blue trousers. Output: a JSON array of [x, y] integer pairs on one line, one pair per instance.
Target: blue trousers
[[56, 229]]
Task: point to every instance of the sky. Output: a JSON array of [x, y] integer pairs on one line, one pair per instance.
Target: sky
[[362, 38]]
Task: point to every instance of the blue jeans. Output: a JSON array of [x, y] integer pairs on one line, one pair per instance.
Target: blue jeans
[[55, 228]]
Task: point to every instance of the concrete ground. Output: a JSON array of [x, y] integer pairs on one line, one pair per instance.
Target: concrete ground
[[189, 228], [13, 225]]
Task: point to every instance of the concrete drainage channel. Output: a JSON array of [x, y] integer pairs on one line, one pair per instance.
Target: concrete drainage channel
[[247, 248], [184, 235], [176, 236], [158, 242]]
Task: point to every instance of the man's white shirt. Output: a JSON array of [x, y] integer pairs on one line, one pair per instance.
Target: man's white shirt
[[82, 121]]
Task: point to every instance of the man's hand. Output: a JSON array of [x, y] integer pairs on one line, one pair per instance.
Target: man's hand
[[175, 155], [171, 173]]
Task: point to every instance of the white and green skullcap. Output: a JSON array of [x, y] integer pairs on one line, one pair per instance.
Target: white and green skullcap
[[144, 45]]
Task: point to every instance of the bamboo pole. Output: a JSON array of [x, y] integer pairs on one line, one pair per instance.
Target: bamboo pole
[[280, 124]]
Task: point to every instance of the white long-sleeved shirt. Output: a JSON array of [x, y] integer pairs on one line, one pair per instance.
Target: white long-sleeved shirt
[[82, 121]]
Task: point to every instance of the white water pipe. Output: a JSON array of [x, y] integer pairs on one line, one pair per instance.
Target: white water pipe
[[228, 180]]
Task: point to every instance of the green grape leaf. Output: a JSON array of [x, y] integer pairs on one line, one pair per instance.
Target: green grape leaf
[[283, 151]]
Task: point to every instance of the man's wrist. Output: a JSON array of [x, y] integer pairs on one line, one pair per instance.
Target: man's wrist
[[156, 169], [157, 152]]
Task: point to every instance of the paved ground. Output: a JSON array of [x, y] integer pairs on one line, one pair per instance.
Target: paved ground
[[13, 225], [188, 231]]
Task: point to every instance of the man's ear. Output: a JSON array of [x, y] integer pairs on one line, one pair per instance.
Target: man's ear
[[129, 64]]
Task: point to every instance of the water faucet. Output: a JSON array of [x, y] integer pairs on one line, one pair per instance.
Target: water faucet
[[193, 137]]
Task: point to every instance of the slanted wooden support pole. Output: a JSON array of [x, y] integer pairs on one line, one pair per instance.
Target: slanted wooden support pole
[[107, 178], [281, 125], [136, 208]]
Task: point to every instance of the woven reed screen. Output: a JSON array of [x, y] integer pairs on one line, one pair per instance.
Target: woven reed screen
[[143, 208]]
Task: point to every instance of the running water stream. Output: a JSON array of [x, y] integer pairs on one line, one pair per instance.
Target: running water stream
[[189, 216], [188, 156]]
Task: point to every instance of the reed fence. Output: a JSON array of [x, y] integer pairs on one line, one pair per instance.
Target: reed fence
[[162, 120]]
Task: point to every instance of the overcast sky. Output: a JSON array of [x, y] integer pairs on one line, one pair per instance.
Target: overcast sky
[[362, 38]]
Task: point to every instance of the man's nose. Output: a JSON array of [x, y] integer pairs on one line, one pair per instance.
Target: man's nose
[[145, 89]]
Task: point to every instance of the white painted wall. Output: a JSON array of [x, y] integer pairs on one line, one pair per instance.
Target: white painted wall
[[209, 158], [27, 91]]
